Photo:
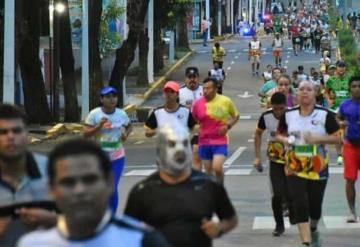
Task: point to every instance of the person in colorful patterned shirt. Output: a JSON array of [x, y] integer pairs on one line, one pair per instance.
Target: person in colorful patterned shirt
[[349, 116], [306, 129], [110, 126], [216, 114], [276, 154]]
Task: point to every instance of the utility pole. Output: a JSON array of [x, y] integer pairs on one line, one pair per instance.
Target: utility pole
[[232, 15], [9, 52], [151, 41], [219, 17], [207, 14], [85, 77]]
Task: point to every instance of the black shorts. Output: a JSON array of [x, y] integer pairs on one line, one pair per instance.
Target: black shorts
[[194, 140]]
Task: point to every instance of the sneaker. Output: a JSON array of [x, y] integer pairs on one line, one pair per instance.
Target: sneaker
[[257, 73], [278, 231], [253, 74], [259, 168], [340, 160], [352, 218], [315, 239]]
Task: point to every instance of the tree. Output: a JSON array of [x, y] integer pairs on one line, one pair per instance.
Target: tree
[[68, 68], [142, 78], [136, 12], [27, 53]]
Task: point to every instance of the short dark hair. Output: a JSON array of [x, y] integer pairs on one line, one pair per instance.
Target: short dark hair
[[217, 44], [212, 80], [10, 112], [353, 78], [287, 77], [300, 67], [276, 68], [278, 98], [78, 146]]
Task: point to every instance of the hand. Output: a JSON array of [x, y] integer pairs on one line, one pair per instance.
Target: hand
[[124, 136], [344, 124], [4, 222], [223, 130], [310, 138], [37, 216], [257, 164], [102, 122], [211, 228]]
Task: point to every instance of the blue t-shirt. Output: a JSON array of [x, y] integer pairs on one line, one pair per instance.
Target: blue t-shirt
[[268, 86], [350, 111], [109, 136]]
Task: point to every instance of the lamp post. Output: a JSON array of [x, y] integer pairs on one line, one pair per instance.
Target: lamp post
[[85, 77]]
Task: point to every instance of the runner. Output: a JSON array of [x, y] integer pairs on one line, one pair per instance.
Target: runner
[[110, 126], [317, 39], [187, 96], [180, 201], [296, 39], [219, 75], [218, 54], [306, 129], [254, 54], [349, 116], [276, 154], [216, 115], [171, 111], [283, 86], [277, 49], [270, 84]]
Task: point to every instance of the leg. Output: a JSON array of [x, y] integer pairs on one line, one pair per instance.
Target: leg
[[351, 195], [195, 158], [117, 167], [206, 158], [217, 165], [278, 184]]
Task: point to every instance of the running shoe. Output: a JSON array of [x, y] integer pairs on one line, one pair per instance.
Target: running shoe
[[257, 73], [340, 160], [315, 239], [278, 231], [352, 218]]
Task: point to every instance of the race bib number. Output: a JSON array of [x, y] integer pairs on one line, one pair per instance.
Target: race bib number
[[304, 150], [341, 93], [297, 40]]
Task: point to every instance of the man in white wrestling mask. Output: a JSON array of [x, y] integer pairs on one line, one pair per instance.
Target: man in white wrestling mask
[[179, 201]]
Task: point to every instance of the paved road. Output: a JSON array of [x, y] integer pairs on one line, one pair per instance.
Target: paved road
[[248, 189]]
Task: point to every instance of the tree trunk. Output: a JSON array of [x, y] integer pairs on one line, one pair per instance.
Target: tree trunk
[[214, 17], [158, 50], [136, 12], [72, 113], [182, 28], [96, 80], [36, 104], [142, 79]]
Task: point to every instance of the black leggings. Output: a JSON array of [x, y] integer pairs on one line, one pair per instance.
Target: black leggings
[[307, 196], [280, 191]]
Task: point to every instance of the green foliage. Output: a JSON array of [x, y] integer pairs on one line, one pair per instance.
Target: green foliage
[[109, 40], [348, 49], [169, 12], [333, 17]]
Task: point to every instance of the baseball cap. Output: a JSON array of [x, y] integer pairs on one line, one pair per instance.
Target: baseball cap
[[106, 90], [192, 71], [340, 63], [172, 85], [332, 66]]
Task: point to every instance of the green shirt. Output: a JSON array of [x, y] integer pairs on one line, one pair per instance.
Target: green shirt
[[340, 88]]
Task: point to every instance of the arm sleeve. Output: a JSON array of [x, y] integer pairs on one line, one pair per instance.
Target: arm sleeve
[[331, 125], [224, 209], [261, 122], [191, 121], [282, 127], [151, 121], [90, 119], [232, 109]]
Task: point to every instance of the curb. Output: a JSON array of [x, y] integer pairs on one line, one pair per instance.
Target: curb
[[159, 82]]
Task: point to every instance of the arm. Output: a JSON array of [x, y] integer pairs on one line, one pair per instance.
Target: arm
[[91, 130], [126, 133], [151, 125], [257, 144], [216, 229]]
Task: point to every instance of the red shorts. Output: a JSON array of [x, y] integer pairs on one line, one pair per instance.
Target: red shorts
[[277, 52], [351, 156]]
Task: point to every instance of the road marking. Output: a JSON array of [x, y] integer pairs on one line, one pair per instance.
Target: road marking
[[232, 50], [245, 117], [336, 170], [234, 156], [232, 62], [202, 51], [251, 140], [139, 142], [288, 56], [140, 166], [236, 57], [143, 172], [339, 222], [245, 95], [287, 61], [237, 172], [228, 68], [290, 48], [267, 222]]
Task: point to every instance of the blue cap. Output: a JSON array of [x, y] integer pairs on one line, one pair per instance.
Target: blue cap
[[107, 90]]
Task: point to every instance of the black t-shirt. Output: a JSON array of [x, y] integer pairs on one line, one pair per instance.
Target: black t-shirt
[[177, 210]]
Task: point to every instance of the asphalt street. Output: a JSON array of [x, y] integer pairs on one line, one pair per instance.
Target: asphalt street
[[248, 189]]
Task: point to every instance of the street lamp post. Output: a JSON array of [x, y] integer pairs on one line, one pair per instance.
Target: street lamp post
[[85, 77]]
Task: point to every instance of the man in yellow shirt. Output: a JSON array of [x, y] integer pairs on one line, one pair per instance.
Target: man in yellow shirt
[[218, 54]]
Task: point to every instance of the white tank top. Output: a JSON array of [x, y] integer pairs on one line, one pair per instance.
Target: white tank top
[[277, 43], [255, 45]]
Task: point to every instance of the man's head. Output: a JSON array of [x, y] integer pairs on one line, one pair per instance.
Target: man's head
[[108, 97], [277, 35], [284, 84], [276, 73], [171, 91], [216, 65], [278, 103], [217, 45], [301, 69], [354, 87], [269, 67], [13, 133], [331, 69], [173, 150], [80, 180], [254, 37], [192, 77], [340, 67], [209, 88]]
